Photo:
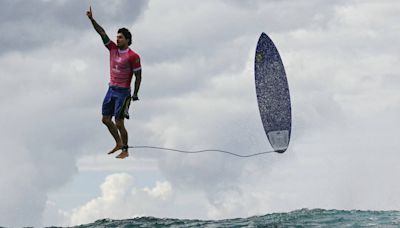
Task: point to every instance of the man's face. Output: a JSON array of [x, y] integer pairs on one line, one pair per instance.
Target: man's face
[[122, 42]]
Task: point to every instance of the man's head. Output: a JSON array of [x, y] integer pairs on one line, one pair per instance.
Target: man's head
[[124, 38]]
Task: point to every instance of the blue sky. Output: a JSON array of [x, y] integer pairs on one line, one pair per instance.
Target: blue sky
[[342, 64]]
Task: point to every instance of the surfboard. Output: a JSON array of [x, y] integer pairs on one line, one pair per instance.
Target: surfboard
[[273, 96]]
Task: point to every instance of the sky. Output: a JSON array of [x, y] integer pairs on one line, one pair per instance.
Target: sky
[[342, 64]]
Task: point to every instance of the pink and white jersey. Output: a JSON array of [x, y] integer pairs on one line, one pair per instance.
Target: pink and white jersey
[[122, 65]]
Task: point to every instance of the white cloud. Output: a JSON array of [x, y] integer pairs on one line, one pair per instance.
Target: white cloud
[[40, 24], [120, 200], [162, 190]]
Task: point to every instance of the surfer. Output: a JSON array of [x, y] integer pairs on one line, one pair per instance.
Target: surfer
[[124, 62]]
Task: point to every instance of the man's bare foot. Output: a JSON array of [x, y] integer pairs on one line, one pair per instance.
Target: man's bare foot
[[116, 148], [123, 154]]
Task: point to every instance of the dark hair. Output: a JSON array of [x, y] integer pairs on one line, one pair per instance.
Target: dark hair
[[126, 34]]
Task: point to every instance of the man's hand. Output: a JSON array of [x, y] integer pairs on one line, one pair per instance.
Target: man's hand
[[134, 98], [97, 27], [89, 13]]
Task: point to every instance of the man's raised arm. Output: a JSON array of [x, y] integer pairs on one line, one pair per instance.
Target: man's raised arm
[[97, 27]]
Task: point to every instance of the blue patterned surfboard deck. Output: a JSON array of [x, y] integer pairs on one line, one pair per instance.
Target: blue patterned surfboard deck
[[272, 94]]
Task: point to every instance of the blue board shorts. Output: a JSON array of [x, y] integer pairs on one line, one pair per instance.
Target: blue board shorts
[[116, 102]]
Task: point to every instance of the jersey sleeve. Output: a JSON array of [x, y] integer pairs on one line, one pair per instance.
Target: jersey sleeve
[[110, 45], [135, 62]]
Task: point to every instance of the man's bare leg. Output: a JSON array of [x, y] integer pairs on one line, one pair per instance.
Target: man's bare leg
[[119, 123], [114, 132]]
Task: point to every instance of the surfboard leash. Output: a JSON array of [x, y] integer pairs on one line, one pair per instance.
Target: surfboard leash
[[201, 151]]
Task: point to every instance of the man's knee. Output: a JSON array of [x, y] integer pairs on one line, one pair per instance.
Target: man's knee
[[120, 123], [106, 120]]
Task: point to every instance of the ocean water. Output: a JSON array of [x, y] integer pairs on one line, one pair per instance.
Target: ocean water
[[298, 218]]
